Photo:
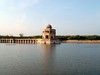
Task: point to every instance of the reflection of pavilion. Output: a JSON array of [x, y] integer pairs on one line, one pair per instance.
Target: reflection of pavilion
[[48, 49], [49, 58], [49, 36]]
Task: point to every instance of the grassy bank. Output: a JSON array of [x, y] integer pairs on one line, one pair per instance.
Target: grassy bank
[[81, 41]]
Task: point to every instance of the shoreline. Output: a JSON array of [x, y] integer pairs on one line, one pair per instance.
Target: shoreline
[[81, 41]]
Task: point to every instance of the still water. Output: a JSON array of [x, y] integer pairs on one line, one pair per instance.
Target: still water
[[60, 59]]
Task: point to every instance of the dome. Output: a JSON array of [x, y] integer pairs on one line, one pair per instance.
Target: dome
[[49, 26]]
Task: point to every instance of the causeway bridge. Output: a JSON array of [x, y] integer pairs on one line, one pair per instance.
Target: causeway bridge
[[19, 40]]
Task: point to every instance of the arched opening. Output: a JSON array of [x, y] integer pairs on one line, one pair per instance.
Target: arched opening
[[51, 37], [47, 36]]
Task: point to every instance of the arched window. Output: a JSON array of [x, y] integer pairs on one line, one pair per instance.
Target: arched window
[[51, 37], [47, 37]]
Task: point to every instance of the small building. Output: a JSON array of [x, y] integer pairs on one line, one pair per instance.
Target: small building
[[49, 35]]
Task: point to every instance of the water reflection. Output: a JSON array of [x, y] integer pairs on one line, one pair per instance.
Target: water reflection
[[63, 59], [48, 49], [49, 58]]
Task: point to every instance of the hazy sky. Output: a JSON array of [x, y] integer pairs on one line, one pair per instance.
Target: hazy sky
[[67, 16]]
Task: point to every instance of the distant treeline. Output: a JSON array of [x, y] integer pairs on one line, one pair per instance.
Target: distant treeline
[[75, 37], [79, 37], [62, 38], [21, 36]]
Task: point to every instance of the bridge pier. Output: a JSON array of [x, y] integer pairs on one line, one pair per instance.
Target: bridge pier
[[17, 40]]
